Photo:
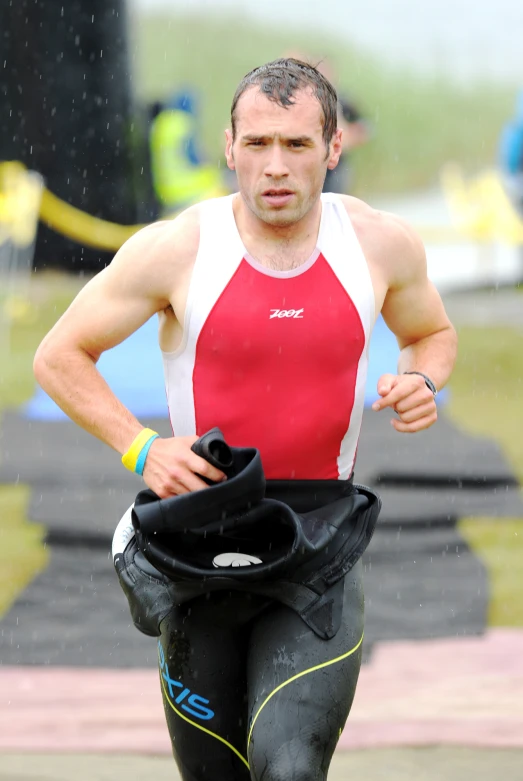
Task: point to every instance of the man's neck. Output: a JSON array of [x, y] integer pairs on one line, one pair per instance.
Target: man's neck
[[278, 246]]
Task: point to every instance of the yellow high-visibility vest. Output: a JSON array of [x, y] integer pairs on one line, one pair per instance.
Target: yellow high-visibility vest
[[177, 180]]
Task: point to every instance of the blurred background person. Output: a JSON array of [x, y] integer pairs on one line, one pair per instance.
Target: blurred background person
[[356, 132], [180, 174], [511, 154]]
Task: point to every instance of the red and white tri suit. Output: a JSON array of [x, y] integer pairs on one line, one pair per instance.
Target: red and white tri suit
[[276, 359]]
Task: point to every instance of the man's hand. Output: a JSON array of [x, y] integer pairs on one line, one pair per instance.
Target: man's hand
[[172, 468], [410, 398]]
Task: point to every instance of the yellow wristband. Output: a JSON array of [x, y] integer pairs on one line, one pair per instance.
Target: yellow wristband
[[130, 458]]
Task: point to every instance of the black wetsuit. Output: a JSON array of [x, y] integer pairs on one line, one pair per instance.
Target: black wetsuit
[[250, 692], [258, 663]]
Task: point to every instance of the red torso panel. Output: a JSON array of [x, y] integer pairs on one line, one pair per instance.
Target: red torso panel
[[275, 368]]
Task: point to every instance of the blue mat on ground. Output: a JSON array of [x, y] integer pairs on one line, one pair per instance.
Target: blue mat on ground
[[134, 372]]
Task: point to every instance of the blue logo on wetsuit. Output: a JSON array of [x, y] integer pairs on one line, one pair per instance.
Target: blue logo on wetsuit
[[194, 704]]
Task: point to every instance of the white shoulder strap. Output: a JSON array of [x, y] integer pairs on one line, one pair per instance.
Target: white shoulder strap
[[220, 252], [341, 249]]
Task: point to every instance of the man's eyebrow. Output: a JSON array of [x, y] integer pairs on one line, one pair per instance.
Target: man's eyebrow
[[255, 137], [300, 139], [288, 139]]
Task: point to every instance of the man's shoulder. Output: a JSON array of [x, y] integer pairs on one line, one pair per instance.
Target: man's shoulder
[[389, 243], [376, 225], [179, 237], [179, 234], [167, 240]]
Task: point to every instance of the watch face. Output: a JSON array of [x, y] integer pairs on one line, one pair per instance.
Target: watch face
[[235, 560]]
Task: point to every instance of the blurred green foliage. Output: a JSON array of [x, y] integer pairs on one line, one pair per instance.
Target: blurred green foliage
[[418, 123]]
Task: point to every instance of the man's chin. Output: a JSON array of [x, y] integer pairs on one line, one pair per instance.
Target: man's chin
[[279, 219], [280, 216]]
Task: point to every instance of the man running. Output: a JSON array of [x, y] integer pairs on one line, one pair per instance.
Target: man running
[[266, 301]]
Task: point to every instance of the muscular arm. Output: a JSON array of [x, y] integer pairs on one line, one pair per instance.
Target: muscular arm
[[414, 311], [108, 309], [143, 278]]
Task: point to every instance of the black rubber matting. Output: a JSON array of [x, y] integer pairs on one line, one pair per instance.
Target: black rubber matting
[[53, 453], [421, 578], [84, 514], [418, 584]]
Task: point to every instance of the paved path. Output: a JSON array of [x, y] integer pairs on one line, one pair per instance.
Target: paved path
[[459, 691], [427, 764]]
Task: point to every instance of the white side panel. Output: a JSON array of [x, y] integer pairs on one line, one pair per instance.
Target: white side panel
[[342, 250], [219, 254], [349, 443]]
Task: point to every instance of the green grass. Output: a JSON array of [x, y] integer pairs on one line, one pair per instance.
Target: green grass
[[22, 552], [486, 399], [419, 123], [487, 388], [499, 544], [36, 308]]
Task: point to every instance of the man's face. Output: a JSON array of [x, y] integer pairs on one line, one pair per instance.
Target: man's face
[[279, 155]]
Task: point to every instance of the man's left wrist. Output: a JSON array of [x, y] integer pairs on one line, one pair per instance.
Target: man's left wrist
[[428, 382]]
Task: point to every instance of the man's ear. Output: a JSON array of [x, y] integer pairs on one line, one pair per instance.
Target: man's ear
[[335, 149], [228, 150]]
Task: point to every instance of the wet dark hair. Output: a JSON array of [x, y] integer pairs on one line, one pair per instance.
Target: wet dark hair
[[281, 79]]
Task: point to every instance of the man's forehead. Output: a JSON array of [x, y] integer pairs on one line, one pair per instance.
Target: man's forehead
[[255, 107]]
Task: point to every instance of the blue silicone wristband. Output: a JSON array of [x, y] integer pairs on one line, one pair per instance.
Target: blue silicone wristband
[[140, 461]]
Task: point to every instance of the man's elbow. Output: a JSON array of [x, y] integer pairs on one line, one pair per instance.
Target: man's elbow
[[452, 335], [43, 361], [453, 341], [54, 357]]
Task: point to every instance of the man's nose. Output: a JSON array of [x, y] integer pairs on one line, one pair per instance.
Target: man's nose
[[276, 166]]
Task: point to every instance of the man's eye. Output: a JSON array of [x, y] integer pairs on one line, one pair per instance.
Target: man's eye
[[296, 144], [255, 143]]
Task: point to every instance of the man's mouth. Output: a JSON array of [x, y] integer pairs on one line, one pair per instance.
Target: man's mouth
[[277, 197]]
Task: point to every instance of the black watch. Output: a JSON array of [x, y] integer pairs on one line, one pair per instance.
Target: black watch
[[428, 382]]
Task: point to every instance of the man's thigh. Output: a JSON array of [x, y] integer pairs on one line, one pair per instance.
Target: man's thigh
[[202, 659], [301, 689]]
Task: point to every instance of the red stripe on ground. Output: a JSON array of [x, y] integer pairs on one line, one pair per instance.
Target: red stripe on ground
[[81, 710], [454, 692], [465, 691]]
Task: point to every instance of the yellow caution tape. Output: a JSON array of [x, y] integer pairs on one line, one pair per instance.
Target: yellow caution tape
[[82, 227], [22, 195]]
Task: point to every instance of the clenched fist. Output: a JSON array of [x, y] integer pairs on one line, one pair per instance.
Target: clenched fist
[[410, 398]]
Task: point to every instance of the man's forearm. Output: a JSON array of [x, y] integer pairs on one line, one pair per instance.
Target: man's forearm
[[435, 356], [75, 384]]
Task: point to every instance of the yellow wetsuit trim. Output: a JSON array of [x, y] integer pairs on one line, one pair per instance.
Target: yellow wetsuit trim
[[299, 675], [199, 726]]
